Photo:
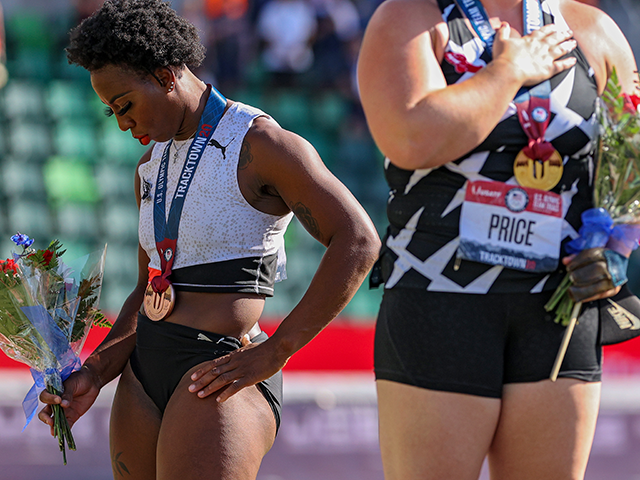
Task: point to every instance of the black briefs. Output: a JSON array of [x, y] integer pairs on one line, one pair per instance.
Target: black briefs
[[474, 344], [165, 351]]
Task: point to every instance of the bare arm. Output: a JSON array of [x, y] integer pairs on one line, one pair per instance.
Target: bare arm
[[290, 169], [603, 43], [333, 216], [415, 118]]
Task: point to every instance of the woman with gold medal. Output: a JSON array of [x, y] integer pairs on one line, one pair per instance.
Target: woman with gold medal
[[199, 394], [486, 112]]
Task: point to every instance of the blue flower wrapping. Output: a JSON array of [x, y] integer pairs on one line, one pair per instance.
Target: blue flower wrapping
[[598, 231], [63, 360]]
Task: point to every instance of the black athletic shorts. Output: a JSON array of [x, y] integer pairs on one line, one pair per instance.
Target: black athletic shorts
[[165, 351], [468, 343]]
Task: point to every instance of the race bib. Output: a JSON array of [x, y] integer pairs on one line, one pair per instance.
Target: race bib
[[510, 225]]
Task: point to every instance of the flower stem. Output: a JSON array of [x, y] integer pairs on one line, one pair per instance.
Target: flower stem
[[61, 428]]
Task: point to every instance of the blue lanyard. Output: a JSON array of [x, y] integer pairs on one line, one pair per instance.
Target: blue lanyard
[[529, 101], [166, 230], [477, 16]]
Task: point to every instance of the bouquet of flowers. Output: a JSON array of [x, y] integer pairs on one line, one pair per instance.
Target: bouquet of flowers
[[47, 308], [614, 222]]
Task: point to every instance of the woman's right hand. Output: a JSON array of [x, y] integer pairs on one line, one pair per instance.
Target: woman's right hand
[[537, 56], [80, 392]]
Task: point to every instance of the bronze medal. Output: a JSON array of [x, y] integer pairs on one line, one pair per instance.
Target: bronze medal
[[158, 306], [542, 175]]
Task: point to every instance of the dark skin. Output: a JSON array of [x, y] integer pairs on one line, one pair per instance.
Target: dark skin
[[278, 172]]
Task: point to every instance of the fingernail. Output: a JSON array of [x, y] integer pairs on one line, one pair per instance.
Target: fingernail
[[192, 388], [201, 393], [64, 403], [193, 376]]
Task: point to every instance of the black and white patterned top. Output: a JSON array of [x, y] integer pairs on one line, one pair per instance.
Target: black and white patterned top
[[424, 205]]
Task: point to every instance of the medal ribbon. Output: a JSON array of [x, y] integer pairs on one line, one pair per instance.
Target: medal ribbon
[[166, 230], [533, 106], [533, 112]]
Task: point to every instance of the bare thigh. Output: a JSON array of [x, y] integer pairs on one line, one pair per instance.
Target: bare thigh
[[133, 431], [433, 435], [545, 430], [201, 438]]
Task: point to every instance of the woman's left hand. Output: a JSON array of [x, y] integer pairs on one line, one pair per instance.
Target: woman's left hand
[[591, 276], [250, 364]]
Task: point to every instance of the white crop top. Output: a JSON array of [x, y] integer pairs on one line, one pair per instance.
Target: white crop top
[[224, 244]]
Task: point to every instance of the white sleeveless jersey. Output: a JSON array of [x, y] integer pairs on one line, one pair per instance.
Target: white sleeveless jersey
[[219, 229]]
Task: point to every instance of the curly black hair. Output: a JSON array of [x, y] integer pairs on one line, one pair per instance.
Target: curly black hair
[[141, 35]]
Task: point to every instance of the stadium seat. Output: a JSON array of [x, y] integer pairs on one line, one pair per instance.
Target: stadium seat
[[29, 139], [23, 99], [323, 142], [30, 217], [77, 222], [70, 180], [116, 182], [29, 64], [120, 222], [290, 109], [22, 179], [122, 263], [119, 146], [75, 139], [329, 111], [67, 100], [28, 28]]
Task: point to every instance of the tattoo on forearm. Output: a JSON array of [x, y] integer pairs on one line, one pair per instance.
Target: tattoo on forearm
[[303, 214], [118, 465], [246, 157]]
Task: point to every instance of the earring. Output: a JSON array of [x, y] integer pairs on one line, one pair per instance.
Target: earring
[[172, 85]]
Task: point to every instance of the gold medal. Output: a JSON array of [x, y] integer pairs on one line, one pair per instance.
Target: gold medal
[[158, 306], [542, 175]]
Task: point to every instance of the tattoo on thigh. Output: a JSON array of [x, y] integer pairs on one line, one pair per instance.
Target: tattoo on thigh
[[303, 214], [246, 157], [118, 465]]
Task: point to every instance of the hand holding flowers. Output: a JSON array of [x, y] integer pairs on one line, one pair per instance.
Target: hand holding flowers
[[47, 308], [611, 230]]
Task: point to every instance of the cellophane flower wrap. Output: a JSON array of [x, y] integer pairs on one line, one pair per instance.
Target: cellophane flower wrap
[[614, 222], [47, 308]]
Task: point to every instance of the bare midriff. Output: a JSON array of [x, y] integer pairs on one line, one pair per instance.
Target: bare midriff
[[231, 314]]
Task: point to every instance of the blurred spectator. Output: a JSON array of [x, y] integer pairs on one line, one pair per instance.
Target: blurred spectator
[[338, 25], [287, 28], [84, 9], [233, 9], [226, 33]]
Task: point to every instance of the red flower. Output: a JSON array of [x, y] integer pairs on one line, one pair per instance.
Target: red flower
[[10, 265], [47, 255], [631, 102]]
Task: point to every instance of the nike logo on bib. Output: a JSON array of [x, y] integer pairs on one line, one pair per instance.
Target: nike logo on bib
[[623, 317], [202, 336]]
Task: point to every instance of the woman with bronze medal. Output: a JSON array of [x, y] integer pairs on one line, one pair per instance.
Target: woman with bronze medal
[[486, 112], [199, 394]]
